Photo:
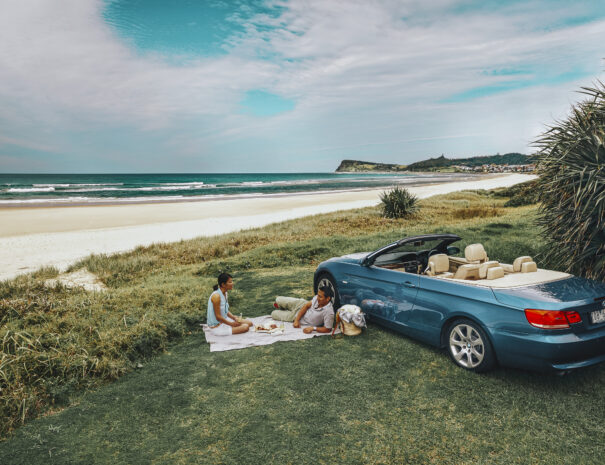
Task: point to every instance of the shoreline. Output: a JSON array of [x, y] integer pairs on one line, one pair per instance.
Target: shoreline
[[34, 237], [416, 180]]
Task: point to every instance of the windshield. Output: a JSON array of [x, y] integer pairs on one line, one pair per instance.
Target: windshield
[[411, 250]]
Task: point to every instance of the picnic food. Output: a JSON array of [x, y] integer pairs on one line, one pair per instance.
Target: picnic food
[[269, 327], [265, 327]]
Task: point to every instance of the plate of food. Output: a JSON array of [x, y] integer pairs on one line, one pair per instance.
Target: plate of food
[[269, 327]]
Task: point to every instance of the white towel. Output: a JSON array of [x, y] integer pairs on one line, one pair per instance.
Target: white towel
[[254, 338]]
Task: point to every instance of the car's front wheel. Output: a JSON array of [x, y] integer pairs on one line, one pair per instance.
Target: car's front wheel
[[328, 281], [469, 346]]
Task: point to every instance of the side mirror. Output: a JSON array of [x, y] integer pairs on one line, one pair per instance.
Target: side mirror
[[367, 262], [452, 250]]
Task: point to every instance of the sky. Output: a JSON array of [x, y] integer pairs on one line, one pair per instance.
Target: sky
[[205, 86]]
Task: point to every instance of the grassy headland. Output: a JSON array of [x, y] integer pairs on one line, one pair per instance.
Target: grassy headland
[[355, 166], [440, 164], [378, 398]]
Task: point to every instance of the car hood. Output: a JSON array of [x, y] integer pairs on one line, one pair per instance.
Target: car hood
[[351, 258], [554, 295]]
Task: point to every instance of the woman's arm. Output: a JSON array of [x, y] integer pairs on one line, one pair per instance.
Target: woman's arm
[[216, 303]]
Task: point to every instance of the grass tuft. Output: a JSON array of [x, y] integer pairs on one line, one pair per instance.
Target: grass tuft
[[398, 203]]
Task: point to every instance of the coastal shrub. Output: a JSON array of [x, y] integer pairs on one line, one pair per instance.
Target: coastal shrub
[[572, 187], [398, 203]]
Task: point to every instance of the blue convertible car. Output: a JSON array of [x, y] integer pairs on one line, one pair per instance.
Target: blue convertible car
[[483, 311]]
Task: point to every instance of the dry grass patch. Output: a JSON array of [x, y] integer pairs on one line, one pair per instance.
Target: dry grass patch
[[476, 212]]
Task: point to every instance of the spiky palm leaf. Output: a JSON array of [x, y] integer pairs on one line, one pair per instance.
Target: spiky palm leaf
[[398, 203], [572, 187]]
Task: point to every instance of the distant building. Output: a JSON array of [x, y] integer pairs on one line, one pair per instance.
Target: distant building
[[493, 168]]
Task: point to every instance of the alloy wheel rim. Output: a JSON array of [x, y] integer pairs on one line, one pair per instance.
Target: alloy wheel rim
[[466, 346], [326, 282]]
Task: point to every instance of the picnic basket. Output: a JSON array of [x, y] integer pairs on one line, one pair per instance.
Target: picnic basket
[[349, 329], [346, 328]]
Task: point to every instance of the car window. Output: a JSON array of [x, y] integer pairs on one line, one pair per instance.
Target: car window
[[407, 250]]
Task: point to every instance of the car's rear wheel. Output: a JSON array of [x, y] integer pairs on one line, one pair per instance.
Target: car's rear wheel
[[469, 346], [328, 281]]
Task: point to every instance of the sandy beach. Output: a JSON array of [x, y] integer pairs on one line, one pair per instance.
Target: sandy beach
[[31, 238]]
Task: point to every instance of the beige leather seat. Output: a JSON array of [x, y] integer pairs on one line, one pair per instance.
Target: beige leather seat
[[494, 272], [474, 271], [439, 265], [468, 271], [484, 268], [475, 253], [523, 264]]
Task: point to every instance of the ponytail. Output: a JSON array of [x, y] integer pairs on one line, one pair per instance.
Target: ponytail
[[222, 279]]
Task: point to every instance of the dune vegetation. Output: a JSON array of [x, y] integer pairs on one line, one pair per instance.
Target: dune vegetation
[[572, 187], [381, 398]]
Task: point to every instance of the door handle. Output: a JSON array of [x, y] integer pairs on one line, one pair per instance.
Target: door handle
[[409, 284]]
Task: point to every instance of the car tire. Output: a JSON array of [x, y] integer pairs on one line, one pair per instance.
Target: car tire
[[326, 279], [469, 347]]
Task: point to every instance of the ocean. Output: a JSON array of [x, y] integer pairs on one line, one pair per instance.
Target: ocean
[[82, 189]]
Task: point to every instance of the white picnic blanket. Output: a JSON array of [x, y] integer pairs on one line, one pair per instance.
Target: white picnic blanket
[[253, 338]]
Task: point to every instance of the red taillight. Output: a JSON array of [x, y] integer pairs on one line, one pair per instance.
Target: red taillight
[[551, 319], [573, 317]]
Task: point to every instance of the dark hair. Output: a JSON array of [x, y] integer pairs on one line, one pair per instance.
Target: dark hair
[[222, 279], [327, 291]]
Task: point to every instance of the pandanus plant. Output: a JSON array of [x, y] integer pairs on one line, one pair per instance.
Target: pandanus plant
[[572, 188], [398, 203]]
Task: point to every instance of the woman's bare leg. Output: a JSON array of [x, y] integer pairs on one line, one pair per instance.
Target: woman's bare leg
[[243, 328], [241, 321]]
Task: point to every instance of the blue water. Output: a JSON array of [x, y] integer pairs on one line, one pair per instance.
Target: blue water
[[49, 189]]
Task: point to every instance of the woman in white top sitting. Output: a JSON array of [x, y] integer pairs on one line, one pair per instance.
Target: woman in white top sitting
[[219, 318]]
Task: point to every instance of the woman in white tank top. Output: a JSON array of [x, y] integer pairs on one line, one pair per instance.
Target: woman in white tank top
[[219, 319]]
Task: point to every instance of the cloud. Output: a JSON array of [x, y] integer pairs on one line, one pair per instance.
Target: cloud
[[368, 52], [360, 76], [71, 61]]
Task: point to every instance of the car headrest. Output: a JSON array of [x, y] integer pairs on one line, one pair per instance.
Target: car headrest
[[485, 266], [495, 272], [519, 261], [475, 253], [439, 263], [528, 267]]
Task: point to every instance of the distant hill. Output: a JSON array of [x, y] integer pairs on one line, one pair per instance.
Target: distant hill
[[365, 166], [433, 164], [436, 164]]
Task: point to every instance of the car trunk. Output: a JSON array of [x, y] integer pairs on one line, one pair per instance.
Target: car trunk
[[578, 294]]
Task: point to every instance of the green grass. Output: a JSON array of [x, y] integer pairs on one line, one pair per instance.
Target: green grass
[[377, 398]]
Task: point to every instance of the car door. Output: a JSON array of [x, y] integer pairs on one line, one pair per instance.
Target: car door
[[386, 295], [387, 281]]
